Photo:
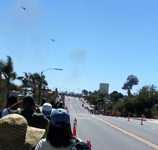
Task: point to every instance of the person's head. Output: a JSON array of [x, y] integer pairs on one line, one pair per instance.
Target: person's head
[[60, 105], [11, 100], [59, 133], [28, 102], [47, 109], [16, 134], [43, 101], [53, 104]]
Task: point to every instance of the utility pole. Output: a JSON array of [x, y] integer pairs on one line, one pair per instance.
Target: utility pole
[[42, 81]]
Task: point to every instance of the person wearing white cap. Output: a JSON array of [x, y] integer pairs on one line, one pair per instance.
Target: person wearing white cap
[[46, 109]]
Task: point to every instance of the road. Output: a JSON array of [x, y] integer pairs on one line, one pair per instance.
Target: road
[[112, 133]]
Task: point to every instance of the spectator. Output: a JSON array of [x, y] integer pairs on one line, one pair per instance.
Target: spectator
[[15, 134], [53, 104], [43, 101], [59, 133], [31, 112], [60, 104], [10, 101], [46, 109], [0, 113]]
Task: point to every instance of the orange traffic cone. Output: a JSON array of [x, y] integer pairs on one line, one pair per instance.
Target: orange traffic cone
[[128, 116], [89, 143], [142, 119], [117, 114], [74, 127]]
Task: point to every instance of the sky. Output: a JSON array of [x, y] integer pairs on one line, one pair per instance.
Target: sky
[[96, 41]]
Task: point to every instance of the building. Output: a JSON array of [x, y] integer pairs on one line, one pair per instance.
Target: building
[[104, 88]]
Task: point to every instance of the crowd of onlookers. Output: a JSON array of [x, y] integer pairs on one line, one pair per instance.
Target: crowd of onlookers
[[26, 126]]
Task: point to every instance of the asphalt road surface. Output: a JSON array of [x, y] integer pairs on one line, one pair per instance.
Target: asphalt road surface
[[111, 133]]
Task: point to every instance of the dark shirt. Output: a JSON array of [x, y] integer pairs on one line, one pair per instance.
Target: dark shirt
[[33, 118], [0, 113]]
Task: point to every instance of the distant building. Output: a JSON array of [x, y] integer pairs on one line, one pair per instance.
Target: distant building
[[104, 88]]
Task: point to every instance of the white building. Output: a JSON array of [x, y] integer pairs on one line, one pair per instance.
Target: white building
[[104, 88]]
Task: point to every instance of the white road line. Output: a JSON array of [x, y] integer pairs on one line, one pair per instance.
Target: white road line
[[82, 118]]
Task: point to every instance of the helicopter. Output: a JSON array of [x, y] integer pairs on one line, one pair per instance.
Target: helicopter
[[23, 8]]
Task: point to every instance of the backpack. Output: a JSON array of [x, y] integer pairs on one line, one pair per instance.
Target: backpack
[[78, 144]]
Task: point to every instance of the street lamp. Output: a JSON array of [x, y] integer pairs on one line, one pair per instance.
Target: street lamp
[[41, 81]]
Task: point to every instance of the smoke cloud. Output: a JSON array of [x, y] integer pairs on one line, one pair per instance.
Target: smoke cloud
[[78, 56], [77, 59], [131, 80]]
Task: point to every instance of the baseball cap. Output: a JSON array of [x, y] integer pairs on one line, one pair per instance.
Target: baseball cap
[[46, 109], [59, 115]]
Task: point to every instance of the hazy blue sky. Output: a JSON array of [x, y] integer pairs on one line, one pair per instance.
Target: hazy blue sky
[[96, 41]]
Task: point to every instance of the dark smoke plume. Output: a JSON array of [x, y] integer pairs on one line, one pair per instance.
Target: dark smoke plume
[[131, 80]]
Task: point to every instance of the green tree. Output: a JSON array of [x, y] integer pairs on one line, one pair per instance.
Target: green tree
[[85, 92], [3, 91], [115, 96], [3, 86], [93, 98], [7, 71], [119, 106], [148, 96], [35, 82], [56, 91], [101, 98], [25, 81], [89, 93], [129, 103]]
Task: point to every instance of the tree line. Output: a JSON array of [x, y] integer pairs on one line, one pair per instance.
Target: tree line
[[8, 75], [140, 103]]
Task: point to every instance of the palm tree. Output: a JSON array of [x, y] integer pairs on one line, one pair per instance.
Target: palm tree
[[25, 81], [35, 81], [85, 92], [6, 70], [89, 93]]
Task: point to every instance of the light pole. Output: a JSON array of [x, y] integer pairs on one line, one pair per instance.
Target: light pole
[[41, 81]]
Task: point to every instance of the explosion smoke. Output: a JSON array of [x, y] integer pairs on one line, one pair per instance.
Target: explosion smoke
[[131, 80]]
